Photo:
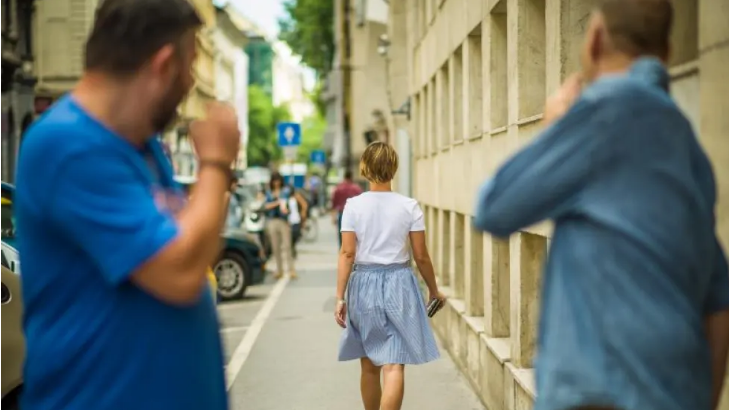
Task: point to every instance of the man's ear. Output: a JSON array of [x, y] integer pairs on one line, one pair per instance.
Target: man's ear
[[163, 60]]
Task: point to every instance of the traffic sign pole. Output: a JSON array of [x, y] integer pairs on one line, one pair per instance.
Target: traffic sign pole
[[289, 139]]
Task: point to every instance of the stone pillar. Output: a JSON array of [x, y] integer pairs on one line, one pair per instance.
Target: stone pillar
[[528, 253], [474, 272], [566, 23], [443, 262], [714, 89], [450, 267], [496, 284], [457, 259]]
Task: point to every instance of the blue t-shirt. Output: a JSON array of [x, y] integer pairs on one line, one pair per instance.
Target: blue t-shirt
[[634, 265], [93, 208]]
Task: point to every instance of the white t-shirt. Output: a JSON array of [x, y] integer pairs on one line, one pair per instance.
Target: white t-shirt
[[382, 222], [294, 216]]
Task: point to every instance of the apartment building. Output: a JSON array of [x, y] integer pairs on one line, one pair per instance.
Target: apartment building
[[478, 73], [18, 79], [231, 71]]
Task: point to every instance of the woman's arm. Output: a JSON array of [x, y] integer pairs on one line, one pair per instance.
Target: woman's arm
[[303, 207], [346, 260], [344, 269], [422, 260]]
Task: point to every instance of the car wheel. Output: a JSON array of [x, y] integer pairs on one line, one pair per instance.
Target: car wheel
[[12, 400], [233, 274]]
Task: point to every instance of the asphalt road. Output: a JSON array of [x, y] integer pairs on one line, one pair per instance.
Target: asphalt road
[[281, 347]]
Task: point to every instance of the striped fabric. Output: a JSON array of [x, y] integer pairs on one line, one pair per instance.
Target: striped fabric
[[386, 319]]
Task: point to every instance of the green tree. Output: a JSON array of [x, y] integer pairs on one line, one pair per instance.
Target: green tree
[[312, 135], [262, 146], [308, 29]]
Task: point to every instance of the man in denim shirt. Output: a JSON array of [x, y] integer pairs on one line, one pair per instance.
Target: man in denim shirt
[[635, 293]]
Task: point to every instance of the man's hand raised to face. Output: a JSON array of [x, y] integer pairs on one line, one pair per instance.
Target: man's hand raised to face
[[562, 100], [216, 138]]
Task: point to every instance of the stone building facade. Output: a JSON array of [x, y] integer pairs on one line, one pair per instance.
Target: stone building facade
[[18, 79], [477, 73]]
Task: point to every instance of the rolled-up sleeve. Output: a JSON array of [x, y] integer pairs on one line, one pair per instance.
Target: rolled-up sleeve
[[543, 179]]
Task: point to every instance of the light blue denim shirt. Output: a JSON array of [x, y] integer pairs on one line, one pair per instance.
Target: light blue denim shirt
[[634, 265]]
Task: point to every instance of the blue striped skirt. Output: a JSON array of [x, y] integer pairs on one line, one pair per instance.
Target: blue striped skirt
[[386, 318]]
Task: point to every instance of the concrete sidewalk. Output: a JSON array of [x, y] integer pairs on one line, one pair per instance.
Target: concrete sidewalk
[[293, 364]]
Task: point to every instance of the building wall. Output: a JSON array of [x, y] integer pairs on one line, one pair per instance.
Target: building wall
[[480, 72], [368, 90], [231, 82], [288, 84], [60, 31]]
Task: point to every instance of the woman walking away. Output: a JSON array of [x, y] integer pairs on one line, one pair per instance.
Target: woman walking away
[[383, 316], [277, 225]]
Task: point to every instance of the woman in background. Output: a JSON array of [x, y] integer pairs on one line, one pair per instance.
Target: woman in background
[[277, 225], [383, 315], [298, 209]]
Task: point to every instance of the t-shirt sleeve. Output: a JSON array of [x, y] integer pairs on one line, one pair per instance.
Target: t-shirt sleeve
[[348, 217], [98, 202], [418, 223]]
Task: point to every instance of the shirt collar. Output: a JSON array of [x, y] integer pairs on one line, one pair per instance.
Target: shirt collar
[[651, 71]]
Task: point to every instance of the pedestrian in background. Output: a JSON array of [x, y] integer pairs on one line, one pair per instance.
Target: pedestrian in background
[[118, 314], [278, 228], [635, 298], [383, 315], [347, 189], [298, 212]]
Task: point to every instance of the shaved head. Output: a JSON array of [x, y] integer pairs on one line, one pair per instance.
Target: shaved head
[[622, 30]]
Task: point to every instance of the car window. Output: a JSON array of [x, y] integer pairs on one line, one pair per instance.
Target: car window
[[10, 258], [5, 260], [8, 222]]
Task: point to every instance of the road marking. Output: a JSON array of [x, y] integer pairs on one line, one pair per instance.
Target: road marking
[[234, 329], [243, 350]]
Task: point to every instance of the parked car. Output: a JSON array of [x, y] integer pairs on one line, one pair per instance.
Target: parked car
[[240, 263], [9, 232], [13, 341]]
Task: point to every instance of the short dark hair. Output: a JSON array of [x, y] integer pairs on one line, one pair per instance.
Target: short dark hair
[[639, 27], [348, 174], [127, 33]]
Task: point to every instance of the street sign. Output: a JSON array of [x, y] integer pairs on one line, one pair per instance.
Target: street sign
[[290, 152], [289, 134], [318, 157]]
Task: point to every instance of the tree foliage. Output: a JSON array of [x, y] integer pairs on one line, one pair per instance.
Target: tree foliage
[[308, 29], [262, 146], [312, 135]]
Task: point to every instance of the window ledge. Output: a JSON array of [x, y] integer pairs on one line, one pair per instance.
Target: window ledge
[[475, 323], [500, 347], [684, 70], [529, 120], [525, 379], [499, 130]]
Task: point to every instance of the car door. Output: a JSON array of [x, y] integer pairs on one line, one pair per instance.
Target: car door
[[13, 341]]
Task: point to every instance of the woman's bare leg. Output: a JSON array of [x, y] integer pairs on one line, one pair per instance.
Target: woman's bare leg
[[370, 385], [394, 386]]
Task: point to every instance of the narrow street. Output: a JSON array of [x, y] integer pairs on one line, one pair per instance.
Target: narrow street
[[281, 347]]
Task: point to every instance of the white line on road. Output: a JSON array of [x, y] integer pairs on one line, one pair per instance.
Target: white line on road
[[243, 350], [234, 329]]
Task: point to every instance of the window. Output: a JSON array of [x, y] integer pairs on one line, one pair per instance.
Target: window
[[8, 221]]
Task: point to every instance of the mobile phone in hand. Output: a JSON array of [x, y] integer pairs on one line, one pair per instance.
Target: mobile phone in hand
[[434, 306]]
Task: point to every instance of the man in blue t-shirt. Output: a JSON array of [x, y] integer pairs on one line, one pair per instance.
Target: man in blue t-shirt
[[118, 315]]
